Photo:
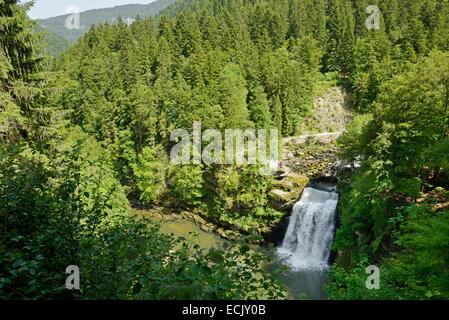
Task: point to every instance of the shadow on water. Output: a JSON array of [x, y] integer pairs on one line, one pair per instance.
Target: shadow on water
[[301, 285], [306, 284]]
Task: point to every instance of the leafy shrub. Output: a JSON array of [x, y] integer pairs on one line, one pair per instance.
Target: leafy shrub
[[189, 184], [150, 171], [243, 198]]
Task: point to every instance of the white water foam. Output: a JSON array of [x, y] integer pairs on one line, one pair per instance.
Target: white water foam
[[309, 236]]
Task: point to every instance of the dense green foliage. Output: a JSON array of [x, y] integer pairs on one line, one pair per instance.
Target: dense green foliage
[[53, 44], [395, 209], [61, 203], [189, 185], [131, 86], [78, 142], [150, 172], [242, 199]]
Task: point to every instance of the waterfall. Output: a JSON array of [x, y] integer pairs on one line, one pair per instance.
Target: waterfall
[[307, 243]]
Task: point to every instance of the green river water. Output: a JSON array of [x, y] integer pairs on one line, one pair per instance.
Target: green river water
[[299, 285], [184, 228]]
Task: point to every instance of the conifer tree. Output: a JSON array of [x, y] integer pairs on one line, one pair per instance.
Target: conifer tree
[[20, 81], [233, 97]]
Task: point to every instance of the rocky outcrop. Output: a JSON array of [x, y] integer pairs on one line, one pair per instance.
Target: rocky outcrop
[[331, 112], [315, 153], [196, 217], [312, 160], [289, 188]]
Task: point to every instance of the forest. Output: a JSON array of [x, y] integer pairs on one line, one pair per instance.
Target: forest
[[85, 138]]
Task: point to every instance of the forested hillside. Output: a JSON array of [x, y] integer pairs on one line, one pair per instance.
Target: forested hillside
[[131, 87], [57, 25], [61, 204], [83, 137], [52, 43]]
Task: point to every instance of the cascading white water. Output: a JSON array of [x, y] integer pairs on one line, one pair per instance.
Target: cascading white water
[[306, 245]]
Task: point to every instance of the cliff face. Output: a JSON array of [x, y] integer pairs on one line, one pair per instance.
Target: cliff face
[[331, 112], [315, 153]]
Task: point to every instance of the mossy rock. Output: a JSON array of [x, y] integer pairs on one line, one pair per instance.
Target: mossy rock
[[300, 182], [284, 184], [283, 197], [278, 195]]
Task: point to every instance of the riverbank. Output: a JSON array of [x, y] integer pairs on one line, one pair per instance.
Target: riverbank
[[179, 226], [299, 286]]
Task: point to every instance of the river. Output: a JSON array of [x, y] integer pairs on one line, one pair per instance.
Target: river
[[184, 228], [301, 262]]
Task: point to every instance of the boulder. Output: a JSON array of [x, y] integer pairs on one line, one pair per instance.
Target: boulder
[[299, 182], [284, 184], [279, 195], [288, 191], [222, 233], [210, 228]]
